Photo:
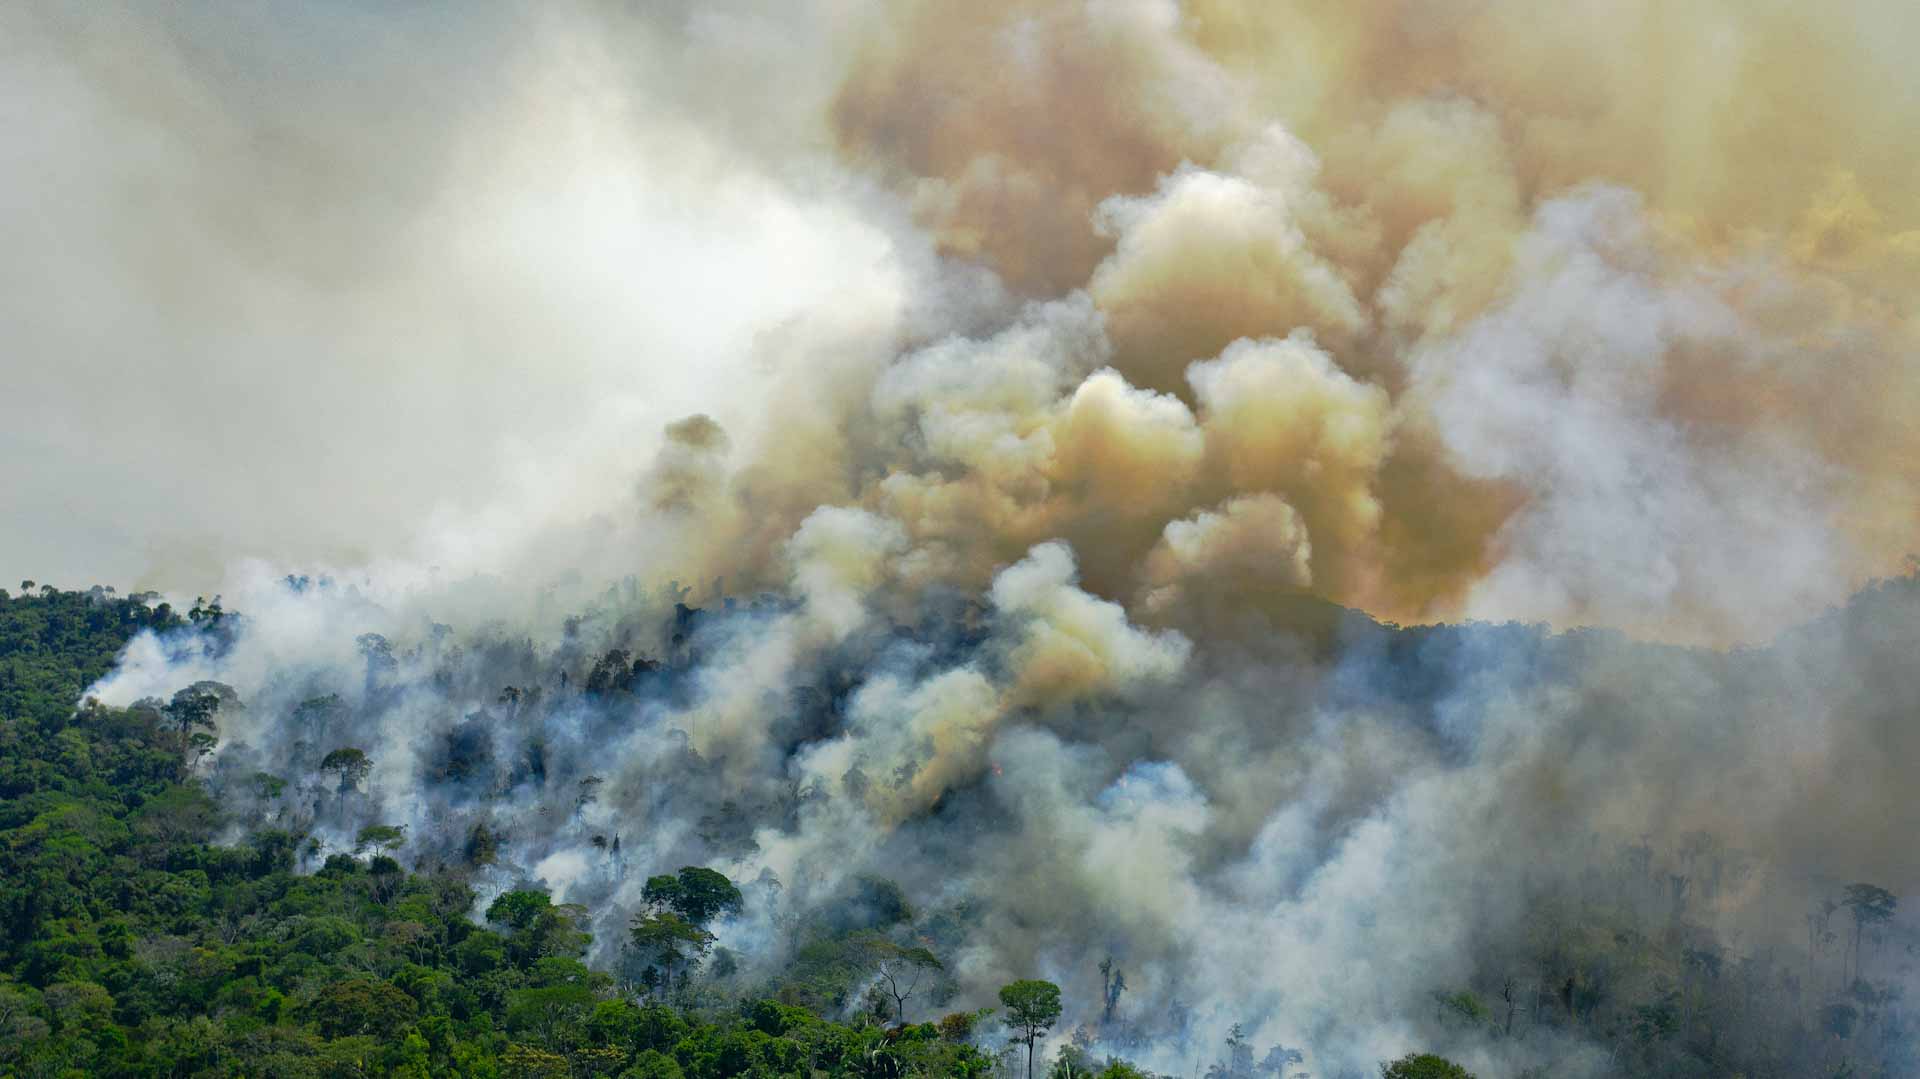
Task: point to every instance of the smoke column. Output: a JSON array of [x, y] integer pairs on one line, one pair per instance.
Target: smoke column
[[1044, 404]]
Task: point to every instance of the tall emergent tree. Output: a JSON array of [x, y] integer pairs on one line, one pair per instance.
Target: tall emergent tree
[[196, 705], [193, 708], [901, 968], [1033, 1006], [352, 764], [1113, 982], [673, 934], [1869, 904], [697, 894]]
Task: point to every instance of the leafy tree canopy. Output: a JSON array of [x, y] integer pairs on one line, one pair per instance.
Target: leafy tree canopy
[[697, 894], [1423, 1066]]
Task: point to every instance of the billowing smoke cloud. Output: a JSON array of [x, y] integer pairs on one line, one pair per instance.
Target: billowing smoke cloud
[[961, 269], [357, 286], [1310, 848], [1466, 208], [1022, 388]]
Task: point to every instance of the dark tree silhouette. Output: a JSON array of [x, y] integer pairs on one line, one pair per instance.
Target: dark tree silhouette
[[352, 765], [1869, 904]]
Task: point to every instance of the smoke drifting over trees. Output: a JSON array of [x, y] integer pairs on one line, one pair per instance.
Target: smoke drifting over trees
[[1311, 834], [1058, 408]]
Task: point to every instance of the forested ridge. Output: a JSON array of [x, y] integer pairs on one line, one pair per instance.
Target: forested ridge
[[135, 944], [149, 931]]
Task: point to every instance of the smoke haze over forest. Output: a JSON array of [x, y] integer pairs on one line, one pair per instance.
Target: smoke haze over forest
[[996, 448]]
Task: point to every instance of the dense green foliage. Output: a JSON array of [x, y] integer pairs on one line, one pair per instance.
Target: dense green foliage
[[1032, 1009], [1423, 1066], [53, 643]]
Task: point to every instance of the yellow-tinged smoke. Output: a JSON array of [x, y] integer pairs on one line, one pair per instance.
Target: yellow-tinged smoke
[[1589, 312], [1582, 313]]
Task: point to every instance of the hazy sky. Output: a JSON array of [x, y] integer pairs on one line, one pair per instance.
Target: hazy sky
[[297, 282]]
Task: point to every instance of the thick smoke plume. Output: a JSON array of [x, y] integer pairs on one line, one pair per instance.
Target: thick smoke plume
[[1037, 392]]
